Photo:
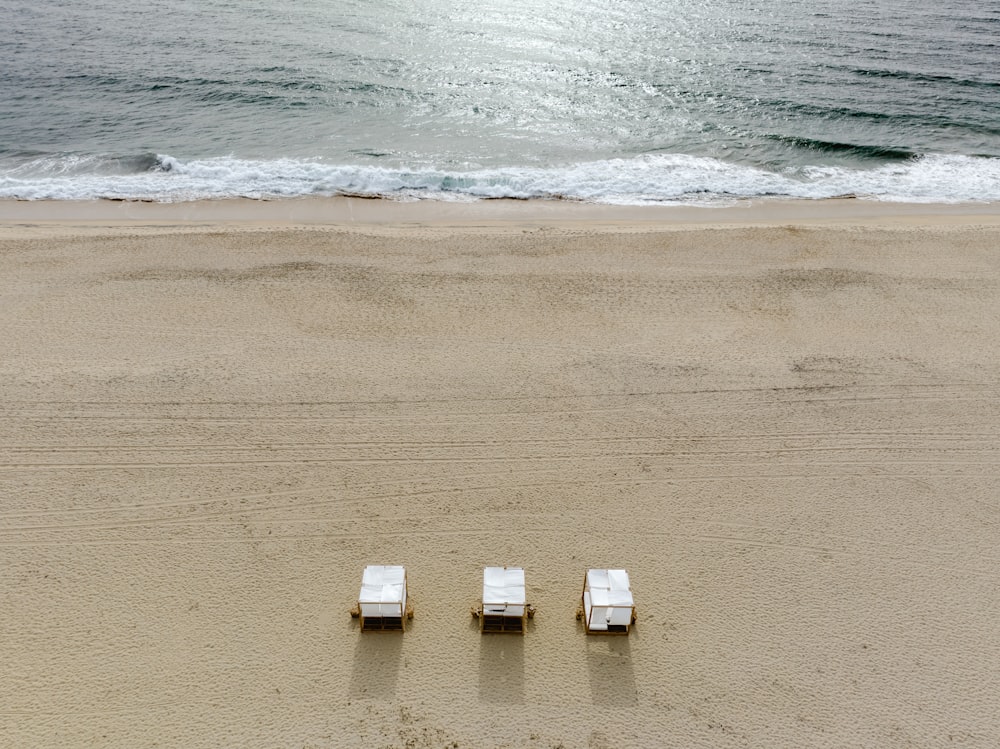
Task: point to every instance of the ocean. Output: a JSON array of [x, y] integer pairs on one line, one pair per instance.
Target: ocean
[[620, 101]]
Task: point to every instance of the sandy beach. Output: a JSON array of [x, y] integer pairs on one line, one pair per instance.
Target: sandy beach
[[782, 420]]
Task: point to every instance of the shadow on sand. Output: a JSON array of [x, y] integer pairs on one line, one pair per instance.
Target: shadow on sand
[[501, 669], [377, 659], [609, 665]]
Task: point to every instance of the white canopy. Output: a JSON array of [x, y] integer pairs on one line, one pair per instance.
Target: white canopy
[[503, 591], [383, 591], [503, 585], [607, 599]]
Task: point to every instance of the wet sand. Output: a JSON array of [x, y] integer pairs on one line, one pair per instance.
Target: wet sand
[[783, 421]]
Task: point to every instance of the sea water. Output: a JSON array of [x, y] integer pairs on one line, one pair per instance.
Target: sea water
[[618, 101]]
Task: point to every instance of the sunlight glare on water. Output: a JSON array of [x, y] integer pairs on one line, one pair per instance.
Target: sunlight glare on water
[[680, 94]]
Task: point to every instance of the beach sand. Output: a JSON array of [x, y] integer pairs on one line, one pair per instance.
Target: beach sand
[[786, 426]]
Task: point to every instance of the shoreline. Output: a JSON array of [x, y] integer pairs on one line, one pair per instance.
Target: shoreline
[[489, 213]]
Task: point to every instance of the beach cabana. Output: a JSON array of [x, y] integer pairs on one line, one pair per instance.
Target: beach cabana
[[505, 607], [608, 608], [382, 604]]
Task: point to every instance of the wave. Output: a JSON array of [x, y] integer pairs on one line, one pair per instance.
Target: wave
[[884, 153], [263, 86], [927, 78], [39, 166], [656, 178]]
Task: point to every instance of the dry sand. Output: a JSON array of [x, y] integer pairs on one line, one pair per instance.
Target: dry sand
[[786, 429]]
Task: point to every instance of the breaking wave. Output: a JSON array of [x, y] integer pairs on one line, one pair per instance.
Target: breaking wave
[[658, 178]]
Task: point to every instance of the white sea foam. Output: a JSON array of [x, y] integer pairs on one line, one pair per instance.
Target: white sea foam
[[660, 178]]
